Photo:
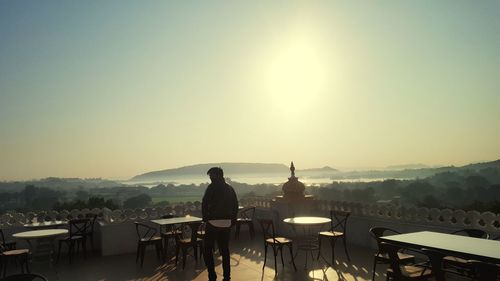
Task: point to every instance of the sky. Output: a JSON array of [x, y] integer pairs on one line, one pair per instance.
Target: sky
[[113, 89]]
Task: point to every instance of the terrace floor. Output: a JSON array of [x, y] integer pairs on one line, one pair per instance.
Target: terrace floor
[[247, 257], [246, 264]]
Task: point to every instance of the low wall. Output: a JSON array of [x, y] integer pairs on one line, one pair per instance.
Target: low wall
[[116, 234]]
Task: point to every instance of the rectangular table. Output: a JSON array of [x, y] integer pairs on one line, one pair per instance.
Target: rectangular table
[[178, 220], [456, 245]]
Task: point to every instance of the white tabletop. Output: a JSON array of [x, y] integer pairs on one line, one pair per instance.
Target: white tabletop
[[307, 220], [34, 234], [177, 220], [463, 246], [45, 224]]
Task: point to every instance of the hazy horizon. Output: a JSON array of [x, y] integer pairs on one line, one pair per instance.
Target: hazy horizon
[[118, 88]]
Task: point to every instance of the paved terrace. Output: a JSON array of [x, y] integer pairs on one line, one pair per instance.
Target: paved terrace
[[246, 263]]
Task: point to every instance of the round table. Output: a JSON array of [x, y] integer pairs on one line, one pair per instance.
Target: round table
[[44, 239], [46, 224], [308, 242]]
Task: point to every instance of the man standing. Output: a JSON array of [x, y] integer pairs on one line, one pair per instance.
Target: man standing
[[219, 209]]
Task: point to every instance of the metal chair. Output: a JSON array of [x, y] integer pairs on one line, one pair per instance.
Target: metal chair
[[338, 229], [78, 229], [458, 265], [17, 256], [146, 235], [399, 271], [169, 232], [245, 218], [8, 245], [485, 271], [382, 257], [90, 231], [277, 243], [24, 277], [191, 241]]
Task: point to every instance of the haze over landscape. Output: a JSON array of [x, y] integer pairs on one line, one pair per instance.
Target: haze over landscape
[[115, 89]]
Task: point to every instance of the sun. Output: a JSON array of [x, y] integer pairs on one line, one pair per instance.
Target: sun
[[296, 76]]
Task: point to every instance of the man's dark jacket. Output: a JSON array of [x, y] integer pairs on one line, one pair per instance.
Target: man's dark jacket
[[219, 202]]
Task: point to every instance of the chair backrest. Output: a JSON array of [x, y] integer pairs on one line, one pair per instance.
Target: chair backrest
[[436, 260], [268, 229], [24, 277], [476, 233], [144, 231], [79, 227], [485, 271], [339, 220], [92, 218], [2, 237], [193, 231], [378, 232], [247, 213]]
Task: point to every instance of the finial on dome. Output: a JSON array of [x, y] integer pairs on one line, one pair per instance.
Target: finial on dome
[[292, 169]]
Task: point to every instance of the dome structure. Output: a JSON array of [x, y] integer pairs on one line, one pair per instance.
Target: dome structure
[[293, 188]]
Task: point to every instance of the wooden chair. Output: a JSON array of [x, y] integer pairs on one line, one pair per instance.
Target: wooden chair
[[146, 235], [8, 245], [245, 218], [485, 271], [399, 271], [16, 256], [338, 229], [458, 265], [24, 277], [382, 257], [188, 239], [277, 243], [169, 232], [78, 229]]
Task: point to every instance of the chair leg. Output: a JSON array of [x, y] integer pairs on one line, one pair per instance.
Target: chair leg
[[319, 247], [84, 247], [374, 268], [165, 246], [137, 253], [195, 250], [71, 250], [332, 243], [265, 256], [184, 257], [58, 252], [237, 231], [252, 230], [345, 248], [290, 247], [143, 250], [158, 250], [275, 262], [27, 263], [177, 248], [281, 252]]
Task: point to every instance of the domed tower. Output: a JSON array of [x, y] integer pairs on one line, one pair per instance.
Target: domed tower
[[293, 189]]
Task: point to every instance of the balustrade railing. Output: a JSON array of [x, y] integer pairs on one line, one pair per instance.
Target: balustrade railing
[[443, 217]]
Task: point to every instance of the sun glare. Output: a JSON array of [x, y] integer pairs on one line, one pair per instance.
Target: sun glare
[[295, 77]]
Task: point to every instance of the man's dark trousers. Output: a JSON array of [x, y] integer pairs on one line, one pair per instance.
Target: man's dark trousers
[[221, 235]]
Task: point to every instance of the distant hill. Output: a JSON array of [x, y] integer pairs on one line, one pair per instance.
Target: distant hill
[[201, 169], [414, 173], [229, 169], [407, 166], [325, 169]]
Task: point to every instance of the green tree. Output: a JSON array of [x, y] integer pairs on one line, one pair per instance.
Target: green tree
[[139, 201]]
